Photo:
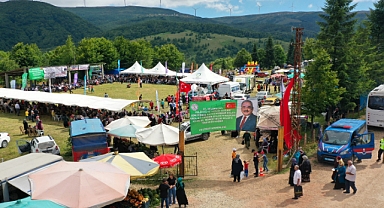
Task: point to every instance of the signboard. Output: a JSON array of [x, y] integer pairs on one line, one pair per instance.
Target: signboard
[[13, 84], [80, 67], [208, 116], [55, 71], [36, 73], [246, 119], [24, 81]]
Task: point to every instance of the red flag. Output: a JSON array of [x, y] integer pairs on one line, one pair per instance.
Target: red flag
[[184, 87], [285, 118], [177, 102]]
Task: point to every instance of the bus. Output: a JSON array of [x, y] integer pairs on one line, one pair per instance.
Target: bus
[[375, 107]]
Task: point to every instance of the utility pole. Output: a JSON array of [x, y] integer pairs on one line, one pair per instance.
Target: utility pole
[[296, 91]]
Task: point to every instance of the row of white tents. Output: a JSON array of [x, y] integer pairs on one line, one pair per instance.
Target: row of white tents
[[203, 75]]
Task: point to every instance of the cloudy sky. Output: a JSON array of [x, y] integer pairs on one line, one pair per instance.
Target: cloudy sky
[[214, 8]]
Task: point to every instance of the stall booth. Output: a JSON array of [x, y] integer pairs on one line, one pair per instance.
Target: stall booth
[[88, 138]]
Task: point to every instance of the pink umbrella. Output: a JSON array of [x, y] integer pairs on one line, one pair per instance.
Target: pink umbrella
[[167, 160], [73, 184]]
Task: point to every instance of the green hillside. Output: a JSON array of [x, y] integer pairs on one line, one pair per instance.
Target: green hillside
[[41, 23], [206, 47]]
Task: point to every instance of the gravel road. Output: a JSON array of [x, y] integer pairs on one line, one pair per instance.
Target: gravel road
[[213, 187]]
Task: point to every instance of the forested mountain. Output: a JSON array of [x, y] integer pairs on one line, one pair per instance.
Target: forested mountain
[[41, 23]]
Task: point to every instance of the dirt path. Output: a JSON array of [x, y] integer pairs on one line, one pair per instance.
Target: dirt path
[[214, 188]]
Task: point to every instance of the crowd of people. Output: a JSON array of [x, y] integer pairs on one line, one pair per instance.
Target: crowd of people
[[172, 189]]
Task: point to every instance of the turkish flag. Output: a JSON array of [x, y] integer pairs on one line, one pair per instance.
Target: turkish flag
[[184, 87], [285, 117]]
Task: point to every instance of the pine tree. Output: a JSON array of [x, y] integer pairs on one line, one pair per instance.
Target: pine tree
[[376, 18], [255, 54], [269, 54], [291, 52]]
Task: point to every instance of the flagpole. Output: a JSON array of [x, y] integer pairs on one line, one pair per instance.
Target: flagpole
[[181, 134]]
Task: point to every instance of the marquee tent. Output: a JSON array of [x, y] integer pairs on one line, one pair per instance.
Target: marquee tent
[[67, 99], [204, 76], [136, 68], [160, 70]]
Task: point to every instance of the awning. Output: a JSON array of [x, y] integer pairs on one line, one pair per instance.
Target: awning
[[22, 183]]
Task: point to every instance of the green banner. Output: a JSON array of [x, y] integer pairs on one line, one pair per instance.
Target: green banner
[[24, 81], [36, 73], [208, 116]]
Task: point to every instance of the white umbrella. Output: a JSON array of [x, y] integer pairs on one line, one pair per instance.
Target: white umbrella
[[141, 121], [158, 135]]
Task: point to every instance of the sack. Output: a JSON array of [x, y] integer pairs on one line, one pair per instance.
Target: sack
[[298, 191], [242, 175], [242, 142]]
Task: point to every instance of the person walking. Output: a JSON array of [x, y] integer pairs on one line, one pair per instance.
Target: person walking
[[164, 187], [340, 176], [233, 153], [246, 165], [306, 169], [180, 193], [17, 108], [172, 189], [381, 150], [335, 166], [256, 162], [350, 178], [247, 139], [297, 189], [237, 167]]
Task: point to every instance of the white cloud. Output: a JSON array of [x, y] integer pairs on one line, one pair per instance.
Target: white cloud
[[240, 1], [310, 6]]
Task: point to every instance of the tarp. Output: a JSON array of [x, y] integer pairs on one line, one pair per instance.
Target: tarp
[[204, 76], [136, 68], [86, 126], [88, 135], [160, 70], [269, 118], [67, 99]]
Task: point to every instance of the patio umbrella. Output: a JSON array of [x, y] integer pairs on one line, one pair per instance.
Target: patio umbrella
[[29, 203], [75, 184], [167, 160], [136, 164], [160, 134], [125, 131], [290, 76], [141, 121]]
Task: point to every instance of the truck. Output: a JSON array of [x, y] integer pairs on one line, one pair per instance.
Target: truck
[[229, 88], [247, 82], [347, 138]]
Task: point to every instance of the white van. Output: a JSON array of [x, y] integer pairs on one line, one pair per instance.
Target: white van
[[230, 88]]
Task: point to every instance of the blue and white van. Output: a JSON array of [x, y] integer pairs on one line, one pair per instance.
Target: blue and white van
[[347, 138]]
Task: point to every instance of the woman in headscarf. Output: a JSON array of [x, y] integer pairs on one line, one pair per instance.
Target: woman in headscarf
[[335, 165], [292, 171], [237, 167], [306, 169], [25, 124], [340, 176], [180, 193]]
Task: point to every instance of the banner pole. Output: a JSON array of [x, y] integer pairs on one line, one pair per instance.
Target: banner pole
[[280, 148]]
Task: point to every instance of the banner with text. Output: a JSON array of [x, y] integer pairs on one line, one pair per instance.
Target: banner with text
[[212, 116], [55, 71], [36, 73]]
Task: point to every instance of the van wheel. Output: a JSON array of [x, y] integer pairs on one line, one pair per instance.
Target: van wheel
[[205, 137], [4, 144]]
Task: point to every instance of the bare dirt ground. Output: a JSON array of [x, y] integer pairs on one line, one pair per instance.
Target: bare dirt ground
[[213, 187]]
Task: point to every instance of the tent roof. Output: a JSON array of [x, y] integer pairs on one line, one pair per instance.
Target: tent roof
[[86, 126], [204, 76], [19, 166], [67, 99], [136, 68]]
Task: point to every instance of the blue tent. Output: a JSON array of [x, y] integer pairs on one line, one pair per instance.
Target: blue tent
[[87, 135]]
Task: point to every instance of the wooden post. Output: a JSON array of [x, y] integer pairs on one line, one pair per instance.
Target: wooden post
[[181, 152], [280, 148]]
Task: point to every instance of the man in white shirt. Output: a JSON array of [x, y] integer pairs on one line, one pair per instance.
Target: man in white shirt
[[17, 108], [350, 178], [297, 182]]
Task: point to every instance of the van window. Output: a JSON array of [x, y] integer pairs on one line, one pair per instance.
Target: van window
[[235, 88], [365, 139], [336, 137], [362, 130]]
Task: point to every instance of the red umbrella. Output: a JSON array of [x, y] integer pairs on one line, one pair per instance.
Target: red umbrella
[[167, 160]]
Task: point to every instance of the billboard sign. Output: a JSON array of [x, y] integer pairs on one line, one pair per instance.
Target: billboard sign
[[209, 116], [246, 119]]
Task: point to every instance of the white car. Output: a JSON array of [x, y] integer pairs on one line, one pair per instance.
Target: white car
[[186, 126], [241, 96], [42, 144], [4, 139]]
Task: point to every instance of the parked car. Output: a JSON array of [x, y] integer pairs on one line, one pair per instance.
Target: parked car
[[272, 101], [42, 144], [262, 95], [4, 139], [186, 126], [241, 96]]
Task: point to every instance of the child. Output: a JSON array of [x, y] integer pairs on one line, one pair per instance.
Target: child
[[246, 163], [265, 162], [233, 153]]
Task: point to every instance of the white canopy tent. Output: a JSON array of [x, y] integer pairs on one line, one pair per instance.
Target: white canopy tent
[[67, 99], [204, 76], [160, 70], [136, 68]]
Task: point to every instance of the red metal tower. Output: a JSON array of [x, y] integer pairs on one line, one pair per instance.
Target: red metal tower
[[296, 91]]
